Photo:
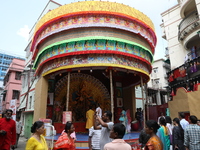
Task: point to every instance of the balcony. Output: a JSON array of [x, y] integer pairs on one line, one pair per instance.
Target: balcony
[[187, 25], [186, 75], [166, 65], [186, 6], [163, 31]]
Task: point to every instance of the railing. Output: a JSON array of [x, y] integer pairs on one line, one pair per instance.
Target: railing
[[187, 24], [186, 75]]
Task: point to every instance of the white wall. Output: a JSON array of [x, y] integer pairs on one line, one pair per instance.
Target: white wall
[[171, 19], [160, 75]]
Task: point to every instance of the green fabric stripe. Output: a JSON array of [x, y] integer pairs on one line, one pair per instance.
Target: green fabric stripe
[[90, 38]]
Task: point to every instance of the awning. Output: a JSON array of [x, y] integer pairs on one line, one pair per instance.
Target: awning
[[4, 92]]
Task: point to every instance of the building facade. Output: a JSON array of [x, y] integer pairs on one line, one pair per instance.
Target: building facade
[[5, 60], [12, 83], [157, 86], [27, 97], [156, 91], [181, 26]]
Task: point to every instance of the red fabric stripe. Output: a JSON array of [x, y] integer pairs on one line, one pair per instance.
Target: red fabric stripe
[[88, 13], [93, 52]]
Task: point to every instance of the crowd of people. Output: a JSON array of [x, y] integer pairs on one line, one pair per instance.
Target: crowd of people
[[167, 134], [164, 134]]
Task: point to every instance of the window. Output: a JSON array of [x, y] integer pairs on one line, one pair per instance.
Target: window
[[4, 95], [156, 81], [155, 70], [18, 76], [15, 94], [30, 101]]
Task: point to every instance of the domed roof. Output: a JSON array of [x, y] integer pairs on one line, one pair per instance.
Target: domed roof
[[85, 7]]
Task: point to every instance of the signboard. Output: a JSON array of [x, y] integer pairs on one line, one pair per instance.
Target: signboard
[[67, 116], [13, 108], [47, 126]]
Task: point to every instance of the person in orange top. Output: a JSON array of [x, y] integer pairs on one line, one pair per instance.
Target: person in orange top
[[90, 117], [65, 141], [154, 143]]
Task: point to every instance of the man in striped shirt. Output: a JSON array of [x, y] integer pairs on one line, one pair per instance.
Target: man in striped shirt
[[94, 137], [192, 134]]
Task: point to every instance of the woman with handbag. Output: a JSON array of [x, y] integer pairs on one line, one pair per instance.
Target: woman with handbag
[[65, 141]]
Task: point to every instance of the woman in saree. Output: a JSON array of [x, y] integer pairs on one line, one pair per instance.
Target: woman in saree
[[154, 143], [65, 142], [163, 134]]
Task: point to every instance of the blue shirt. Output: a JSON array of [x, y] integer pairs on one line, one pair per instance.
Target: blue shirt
[[184, 123]]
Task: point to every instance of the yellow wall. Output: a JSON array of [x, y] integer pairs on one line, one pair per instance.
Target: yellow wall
[[194, 103], [185, 101], [129, 100], [40, 105]]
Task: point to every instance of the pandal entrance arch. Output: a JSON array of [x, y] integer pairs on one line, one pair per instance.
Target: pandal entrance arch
[[84, 90]]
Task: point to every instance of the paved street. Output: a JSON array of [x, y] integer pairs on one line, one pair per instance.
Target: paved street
[[21, 143]]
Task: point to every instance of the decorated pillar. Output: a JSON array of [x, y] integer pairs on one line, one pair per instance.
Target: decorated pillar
[[68, 85], [143, 104], [111, 95]]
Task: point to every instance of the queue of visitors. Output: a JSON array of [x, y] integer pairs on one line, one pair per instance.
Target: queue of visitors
[[166, 134], [178, 134]]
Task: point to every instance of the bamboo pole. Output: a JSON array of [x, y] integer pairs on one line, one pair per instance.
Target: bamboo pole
[[111, 95], [147, 102], [142, 89], [68, 85]]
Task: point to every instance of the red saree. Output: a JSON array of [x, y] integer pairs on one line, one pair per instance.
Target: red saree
[[64, 143]]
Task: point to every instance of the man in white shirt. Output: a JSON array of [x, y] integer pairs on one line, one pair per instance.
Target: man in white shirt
[[98, 110], [94, 138], [161, 116], [184, 123], [18, 130], [106, 126]]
